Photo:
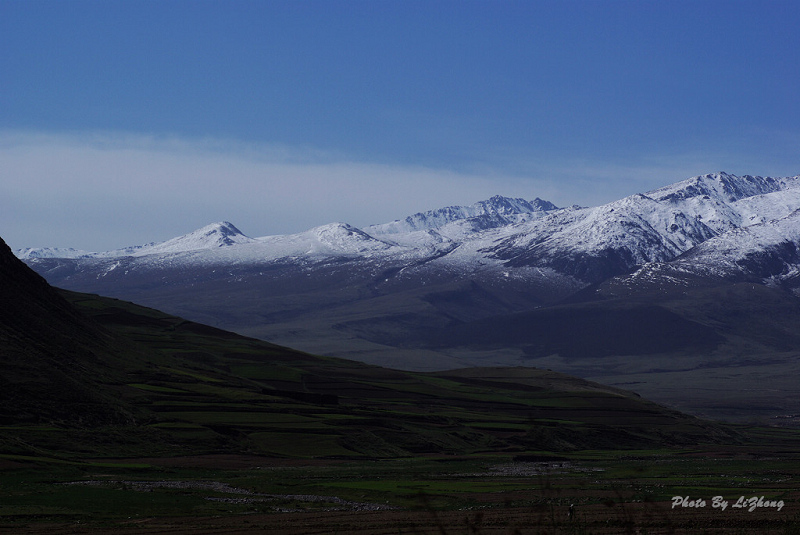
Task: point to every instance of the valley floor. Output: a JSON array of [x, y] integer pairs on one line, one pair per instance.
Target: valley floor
[[610, 492]]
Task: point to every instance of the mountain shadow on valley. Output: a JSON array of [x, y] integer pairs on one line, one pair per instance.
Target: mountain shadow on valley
[[584, 331]]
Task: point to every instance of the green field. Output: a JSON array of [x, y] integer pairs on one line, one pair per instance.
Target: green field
[[611, 491]]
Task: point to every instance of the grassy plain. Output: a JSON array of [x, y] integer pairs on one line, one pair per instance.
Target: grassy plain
[[610, 491]]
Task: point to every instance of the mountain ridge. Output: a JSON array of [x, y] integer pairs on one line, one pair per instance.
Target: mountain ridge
[[502, 210]]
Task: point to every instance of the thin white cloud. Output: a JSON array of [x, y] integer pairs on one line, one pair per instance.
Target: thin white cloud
[[99, 191]]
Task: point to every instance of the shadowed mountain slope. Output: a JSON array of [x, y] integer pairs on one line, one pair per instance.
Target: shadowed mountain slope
[[53, 357]]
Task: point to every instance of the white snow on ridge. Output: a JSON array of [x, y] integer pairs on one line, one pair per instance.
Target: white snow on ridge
[[737, 244], [50, 252], [683, 215], [332, 239], [724, 202], [507, 210], [726, 187], [222, 234], [768, 207], [658, 226], [767, 251], [645, 229]]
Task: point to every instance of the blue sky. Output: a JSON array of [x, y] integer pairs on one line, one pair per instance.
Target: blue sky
[[125, 122]]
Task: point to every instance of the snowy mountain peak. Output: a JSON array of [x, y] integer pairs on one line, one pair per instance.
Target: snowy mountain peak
[[333, 239], [507, 205], [658, 226], [344, 230], [221, 234], [497, 211], [347, 238], [49, 252], [723, 187], [213, 236]]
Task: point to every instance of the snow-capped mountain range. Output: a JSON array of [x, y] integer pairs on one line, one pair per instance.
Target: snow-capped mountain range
[[722, 219], [335, 238], [215, 235]]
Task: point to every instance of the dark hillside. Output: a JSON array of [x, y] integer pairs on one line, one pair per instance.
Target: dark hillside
[[280, 401], [53, 357]]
